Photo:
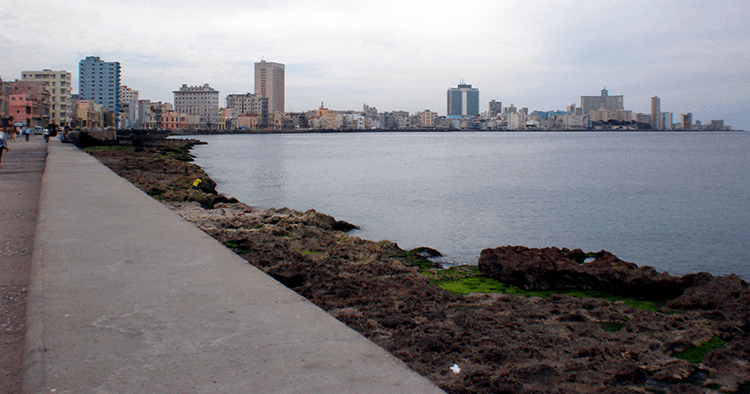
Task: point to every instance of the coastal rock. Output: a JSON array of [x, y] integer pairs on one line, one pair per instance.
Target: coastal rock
[[553, 268], [503, 343]]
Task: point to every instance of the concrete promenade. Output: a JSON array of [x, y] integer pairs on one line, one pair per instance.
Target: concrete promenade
[[20, 179], [127, 297]]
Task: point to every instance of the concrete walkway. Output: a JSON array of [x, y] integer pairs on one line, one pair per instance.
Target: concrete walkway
[[20, 179], [127, 297]]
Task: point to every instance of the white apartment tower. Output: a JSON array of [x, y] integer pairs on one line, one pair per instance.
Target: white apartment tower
[[58, 84], [269, 82], [201, 101]]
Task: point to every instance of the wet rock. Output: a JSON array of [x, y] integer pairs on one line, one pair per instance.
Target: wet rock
[[502, 343], [553, 268]]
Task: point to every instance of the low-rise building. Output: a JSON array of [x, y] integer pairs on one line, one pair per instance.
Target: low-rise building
[[36, 91], [88, 114], [249, 104], [172, 120], [23, 108], [428, 119]]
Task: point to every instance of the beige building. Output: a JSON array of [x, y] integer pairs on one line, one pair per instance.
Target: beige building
[[269, 82], [127, 94], [249, 104], [200, 101], [88, 114], [428, 119], [595, 103], [59, 87]]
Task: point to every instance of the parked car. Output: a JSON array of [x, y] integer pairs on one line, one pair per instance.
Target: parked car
[[38, 130]]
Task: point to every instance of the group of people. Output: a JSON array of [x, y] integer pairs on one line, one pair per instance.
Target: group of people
[[11, 133]]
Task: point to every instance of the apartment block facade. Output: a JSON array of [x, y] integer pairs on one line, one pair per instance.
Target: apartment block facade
[[269, 82], [200, 101], [249, 104], [35, 91], [99, 81], [58, 85], [604, 100]]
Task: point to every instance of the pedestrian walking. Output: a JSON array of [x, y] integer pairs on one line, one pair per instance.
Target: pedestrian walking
[[3, 144]]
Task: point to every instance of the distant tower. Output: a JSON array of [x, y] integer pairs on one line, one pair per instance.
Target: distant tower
[[687, 121], [593, 103], [463, 101], [496, 107], [656, 120], [269, 82], [99, 81]]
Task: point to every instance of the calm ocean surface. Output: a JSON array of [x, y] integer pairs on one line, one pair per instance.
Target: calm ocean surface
[[677, 201]]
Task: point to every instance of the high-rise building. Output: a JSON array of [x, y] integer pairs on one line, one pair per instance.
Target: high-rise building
[[58, 84], [687, 121], [667, 120], [249, 104], [594, 103], [656, 119], [201, 101], [99, 81], [496, 108], [463, 101], [269, 82]]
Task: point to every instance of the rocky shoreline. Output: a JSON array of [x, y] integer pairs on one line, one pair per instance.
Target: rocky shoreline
[[562, 331]]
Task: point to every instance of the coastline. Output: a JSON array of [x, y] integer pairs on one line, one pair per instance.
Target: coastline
[[184, 133], [500, 341]]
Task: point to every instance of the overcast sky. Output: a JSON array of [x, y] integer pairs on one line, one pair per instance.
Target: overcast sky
[[403, 54]]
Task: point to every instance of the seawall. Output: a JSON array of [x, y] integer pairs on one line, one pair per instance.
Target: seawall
[[126, 296]]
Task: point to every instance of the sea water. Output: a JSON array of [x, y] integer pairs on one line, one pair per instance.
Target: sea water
[[679, 202]]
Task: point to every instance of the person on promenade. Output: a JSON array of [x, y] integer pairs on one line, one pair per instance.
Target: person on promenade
[[64, 137], [50, 132], [3, 144]]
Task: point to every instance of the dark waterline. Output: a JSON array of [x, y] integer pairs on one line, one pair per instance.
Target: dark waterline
[[676, 201]]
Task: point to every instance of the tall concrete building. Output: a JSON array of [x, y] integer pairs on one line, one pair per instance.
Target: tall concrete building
[[687, 121], [603, 101], [99, 81], [656, 119], [58, 85], [463, 101], [269, 82], [496, 108], [667, 120], [249, 104], [200, 101]]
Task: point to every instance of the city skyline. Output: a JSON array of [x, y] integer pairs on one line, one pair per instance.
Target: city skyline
[[394, 56]]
